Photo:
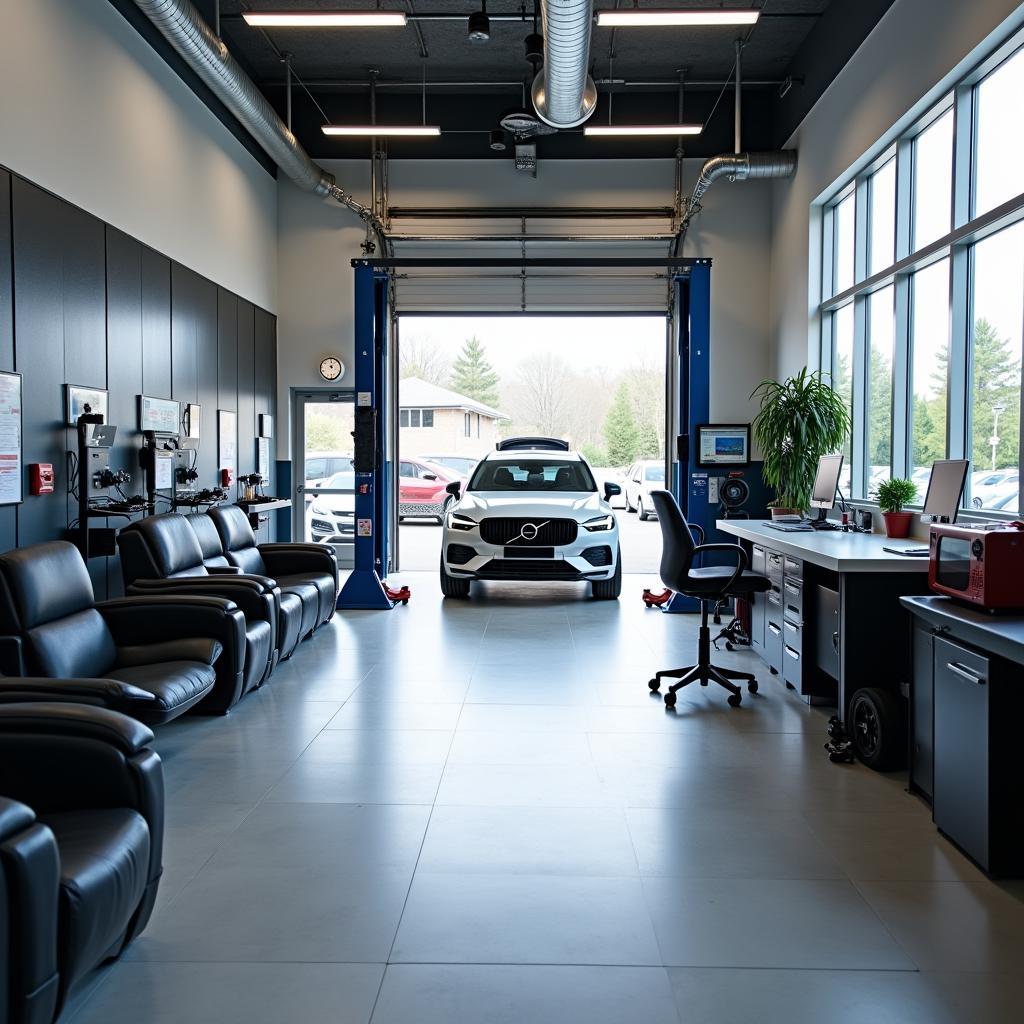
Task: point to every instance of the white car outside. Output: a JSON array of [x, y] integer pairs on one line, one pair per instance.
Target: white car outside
[[532, 514], [641, 479], [332, 516]]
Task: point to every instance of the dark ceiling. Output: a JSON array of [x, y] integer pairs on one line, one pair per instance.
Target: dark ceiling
[[789, 58]]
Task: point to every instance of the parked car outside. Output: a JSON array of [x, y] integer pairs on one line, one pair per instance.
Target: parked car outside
[[332, 516], [641, 479], [421, 489], [322, 465], [461, 464]]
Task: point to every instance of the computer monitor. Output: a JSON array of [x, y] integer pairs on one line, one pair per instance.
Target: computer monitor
[[826, 481], [945, 486], [723, 444]]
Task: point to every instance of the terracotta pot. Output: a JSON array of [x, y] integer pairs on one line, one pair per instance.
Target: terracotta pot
[[897, 524], [778, 512]]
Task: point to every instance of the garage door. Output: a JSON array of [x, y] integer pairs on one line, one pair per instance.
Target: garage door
[[569, 289]]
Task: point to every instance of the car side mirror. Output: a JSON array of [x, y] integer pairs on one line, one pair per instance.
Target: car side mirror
[[429, 476], [610, 490], [454, 488]]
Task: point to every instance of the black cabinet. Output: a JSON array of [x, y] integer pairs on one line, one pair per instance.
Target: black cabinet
[[922, 691]]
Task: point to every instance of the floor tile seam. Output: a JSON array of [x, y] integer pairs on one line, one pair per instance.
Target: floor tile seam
[[862, 896], [587, 965]]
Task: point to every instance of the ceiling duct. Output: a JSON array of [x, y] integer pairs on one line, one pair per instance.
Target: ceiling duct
[[564, 94], [196, 43]]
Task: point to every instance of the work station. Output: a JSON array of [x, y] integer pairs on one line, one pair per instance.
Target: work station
[[511, 511]]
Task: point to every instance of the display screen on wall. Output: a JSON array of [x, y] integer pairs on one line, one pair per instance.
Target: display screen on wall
[[10, 439], [161, 415], [227, 440], [76, 398], [263, 457]]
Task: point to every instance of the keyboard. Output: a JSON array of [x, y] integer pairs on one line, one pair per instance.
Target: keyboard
[[791, 527], [908, 552]]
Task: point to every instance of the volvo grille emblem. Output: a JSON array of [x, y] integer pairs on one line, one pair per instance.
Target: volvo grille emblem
[[528, 532]]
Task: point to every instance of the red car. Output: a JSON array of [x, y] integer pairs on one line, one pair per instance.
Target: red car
[[421, 489]]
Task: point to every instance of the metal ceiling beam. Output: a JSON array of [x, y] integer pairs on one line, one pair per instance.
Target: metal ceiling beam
[[416, 85], [529, 212]]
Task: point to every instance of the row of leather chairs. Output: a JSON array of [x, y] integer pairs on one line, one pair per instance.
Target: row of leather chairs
[[207, 615], [81, 842]]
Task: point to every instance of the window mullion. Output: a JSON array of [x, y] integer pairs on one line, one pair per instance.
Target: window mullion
[[959, 348], [901, 403], [904, 197], [858, 400], [963, 154]]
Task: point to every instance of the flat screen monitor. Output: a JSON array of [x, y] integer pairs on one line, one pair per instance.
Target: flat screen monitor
[[161, 415], [823, 495], [723, 444], [945, 486]]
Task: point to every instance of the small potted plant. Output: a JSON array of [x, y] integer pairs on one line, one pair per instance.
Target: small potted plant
[[892, 495]]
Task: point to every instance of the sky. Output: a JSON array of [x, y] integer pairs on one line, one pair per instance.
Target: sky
[[614, 343]]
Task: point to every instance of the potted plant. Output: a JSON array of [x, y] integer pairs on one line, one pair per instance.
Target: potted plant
[[892, 495], [799, 420]]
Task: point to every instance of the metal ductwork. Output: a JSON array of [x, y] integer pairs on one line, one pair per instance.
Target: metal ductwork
[[198, 45], [564, 94]]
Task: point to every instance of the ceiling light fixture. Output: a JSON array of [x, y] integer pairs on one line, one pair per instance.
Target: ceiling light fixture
[[355, 130], [643, 129], [479, 27], [325, 19], [652, 17]]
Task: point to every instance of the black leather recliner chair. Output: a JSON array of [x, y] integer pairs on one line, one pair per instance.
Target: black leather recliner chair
[[81, 844], [161, 555], [179, 650], [308, 570]]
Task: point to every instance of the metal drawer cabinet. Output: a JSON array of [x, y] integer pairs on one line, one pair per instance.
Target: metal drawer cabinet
[[792, 648], [793, 600], [773, 632]]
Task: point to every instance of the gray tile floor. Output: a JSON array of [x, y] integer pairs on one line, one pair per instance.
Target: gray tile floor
[[474, 812]]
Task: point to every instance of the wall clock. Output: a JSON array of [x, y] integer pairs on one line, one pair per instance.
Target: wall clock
[[331, 368]]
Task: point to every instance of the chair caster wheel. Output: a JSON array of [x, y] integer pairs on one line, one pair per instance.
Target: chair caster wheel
[[654, 685], [752, 686], [729, 646], [735, 700], [670, 700]]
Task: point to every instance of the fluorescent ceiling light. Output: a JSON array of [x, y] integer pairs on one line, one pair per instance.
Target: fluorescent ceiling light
[[380, 129], [651, 17], [643, 129], [324, 19]]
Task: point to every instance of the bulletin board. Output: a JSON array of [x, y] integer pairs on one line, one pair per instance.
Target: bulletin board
[[11, 487]]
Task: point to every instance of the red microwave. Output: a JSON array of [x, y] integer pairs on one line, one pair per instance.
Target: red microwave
[[983, 565]]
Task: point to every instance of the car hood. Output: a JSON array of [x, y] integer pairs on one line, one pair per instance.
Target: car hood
[[579, 505], [334, 502]]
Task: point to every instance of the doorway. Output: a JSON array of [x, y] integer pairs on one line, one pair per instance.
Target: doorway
[[468, 381], [324, 510]]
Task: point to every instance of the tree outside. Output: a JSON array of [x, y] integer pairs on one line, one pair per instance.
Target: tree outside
[[622, 435], [473, 376]]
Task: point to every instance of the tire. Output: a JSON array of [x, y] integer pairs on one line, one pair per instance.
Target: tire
[[453, 586], [642, 512], [876, 722], [629, 508], [609, 590]]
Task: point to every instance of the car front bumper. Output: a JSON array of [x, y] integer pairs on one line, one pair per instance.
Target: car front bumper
[[467, 556], [323, 526]]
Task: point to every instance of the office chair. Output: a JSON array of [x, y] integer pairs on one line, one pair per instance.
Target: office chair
[[707, 585]]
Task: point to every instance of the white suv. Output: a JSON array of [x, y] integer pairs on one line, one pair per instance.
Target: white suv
[[641, 479], [532, 511]]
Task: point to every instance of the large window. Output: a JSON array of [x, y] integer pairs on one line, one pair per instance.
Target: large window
[[922, 287]]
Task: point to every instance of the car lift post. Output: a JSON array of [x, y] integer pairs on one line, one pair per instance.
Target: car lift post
[[693, 334], [364, 587]]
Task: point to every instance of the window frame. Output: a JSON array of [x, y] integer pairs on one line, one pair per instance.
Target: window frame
[[957, 245]]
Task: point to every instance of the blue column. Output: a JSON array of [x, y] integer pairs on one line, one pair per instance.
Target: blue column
[[363, 588]]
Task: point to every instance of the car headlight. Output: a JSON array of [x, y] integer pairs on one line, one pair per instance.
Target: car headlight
[[599, 524], [457, 522], [317, 509]]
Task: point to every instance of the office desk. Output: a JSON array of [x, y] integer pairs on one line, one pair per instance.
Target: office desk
[[832, 621]]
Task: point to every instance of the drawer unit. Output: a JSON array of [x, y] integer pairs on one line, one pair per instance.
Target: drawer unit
[[757, 559], [773, 631], [793, 600], [758, 602], [791, 654], [773, 567], [793, 567]]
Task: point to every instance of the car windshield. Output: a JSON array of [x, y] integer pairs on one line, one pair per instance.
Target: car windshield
[[532, 475], [460, 465], [345, 480], [656, 474]]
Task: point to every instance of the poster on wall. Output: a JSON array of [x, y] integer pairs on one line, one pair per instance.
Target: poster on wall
[[10, 439], [76, 398], [263, 457], [227, 440]]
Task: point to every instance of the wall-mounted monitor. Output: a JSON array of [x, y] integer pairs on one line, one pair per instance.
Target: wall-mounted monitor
[[161, 415], [723, 444], [76, 398], [266, 425]]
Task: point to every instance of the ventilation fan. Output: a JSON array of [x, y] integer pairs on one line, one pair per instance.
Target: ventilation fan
[[521, 124]]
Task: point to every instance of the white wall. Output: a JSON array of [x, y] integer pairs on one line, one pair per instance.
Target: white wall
[[910, 59], [92, 113], [318, 240]]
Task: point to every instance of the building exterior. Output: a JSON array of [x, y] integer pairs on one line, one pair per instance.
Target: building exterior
[[433, 420]]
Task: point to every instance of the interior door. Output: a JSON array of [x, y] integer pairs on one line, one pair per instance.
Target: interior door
[[324, 504]]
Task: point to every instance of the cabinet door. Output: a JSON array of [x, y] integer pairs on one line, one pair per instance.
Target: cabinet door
[[922, 692], [960, 800]]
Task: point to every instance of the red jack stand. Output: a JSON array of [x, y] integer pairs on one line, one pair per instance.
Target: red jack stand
[[653, 600], [401, 594]]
